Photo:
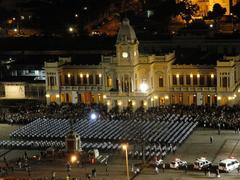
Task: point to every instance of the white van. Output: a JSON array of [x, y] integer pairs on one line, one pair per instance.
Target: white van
[[228, 165], [200, 163]]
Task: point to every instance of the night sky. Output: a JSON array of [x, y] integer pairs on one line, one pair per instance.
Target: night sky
[[10, 4]]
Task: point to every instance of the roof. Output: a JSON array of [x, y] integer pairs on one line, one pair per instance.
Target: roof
[[126, 32], [227, 160]]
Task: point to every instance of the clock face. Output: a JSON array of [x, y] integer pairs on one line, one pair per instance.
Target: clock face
[[124, 54]]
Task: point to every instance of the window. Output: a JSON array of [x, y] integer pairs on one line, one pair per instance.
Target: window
[[78, 80], [72, 79], [60, 80], [195, 81], [66, 80], [202, 80], [90, 79], [160, 81], [209, 81], [97, 79], [224, 82], [174, 80], [52, 81], [84, 79], [188, 80], [181, 81]]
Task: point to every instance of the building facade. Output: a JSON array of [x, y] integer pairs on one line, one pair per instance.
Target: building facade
[[130, 78]]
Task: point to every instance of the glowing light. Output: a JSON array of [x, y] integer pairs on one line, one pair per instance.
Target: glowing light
[[15, 29], [166, 97], [143, 87], [155, 97], [47, 95], [124, 147], [104, 96], [76, 15], [68, 75], [73, 158], [212, 76], [57, 96], [100, 75], [119, 103], [177, 75], [108, 103], [81, 75], [93, 116], [124, 54], [133, 103], [219, 97], [211, 25], [145, 103], [70, 29], [87, 75], [198, 75], [191, 75]]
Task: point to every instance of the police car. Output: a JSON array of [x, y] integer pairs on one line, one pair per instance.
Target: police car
[[228, 165], [177, 163], [201, 163]]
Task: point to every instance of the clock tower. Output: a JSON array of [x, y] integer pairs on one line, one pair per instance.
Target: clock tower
[[127, 44]]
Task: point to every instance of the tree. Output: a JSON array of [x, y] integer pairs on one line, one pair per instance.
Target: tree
[[216, 14], [186, 9]]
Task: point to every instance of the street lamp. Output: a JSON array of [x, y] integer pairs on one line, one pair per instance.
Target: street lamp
[[73, 158], [125, 147], [70, 29], [93, 116]]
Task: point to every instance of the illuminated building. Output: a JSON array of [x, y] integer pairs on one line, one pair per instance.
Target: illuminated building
[[207, 5], [132, 78]]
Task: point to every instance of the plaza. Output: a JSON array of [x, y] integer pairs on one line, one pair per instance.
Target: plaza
[[197, 145]]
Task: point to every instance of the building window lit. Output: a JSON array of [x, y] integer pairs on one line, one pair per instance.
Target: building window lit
[[174, 80]]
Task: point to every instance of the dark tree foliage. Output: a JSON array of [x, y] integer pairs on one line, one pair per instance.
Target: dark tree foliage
[[186, 9], [236, 10], [216, 14]]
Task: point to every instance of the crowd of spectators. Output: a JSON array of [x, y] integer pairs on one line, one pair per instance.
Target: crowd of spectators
[[224, 117]]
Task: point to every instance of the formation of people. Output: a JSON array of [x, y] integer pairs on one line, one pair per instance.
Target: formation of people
[[224, 117]]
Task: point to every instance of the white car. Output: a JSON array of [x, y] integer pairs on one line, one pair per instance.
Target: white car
[[201, 163], [177, 163], [228, 165]]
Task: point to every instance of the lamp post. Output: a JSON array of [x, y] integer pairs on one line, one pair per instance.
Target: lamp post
[[124, 147]]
